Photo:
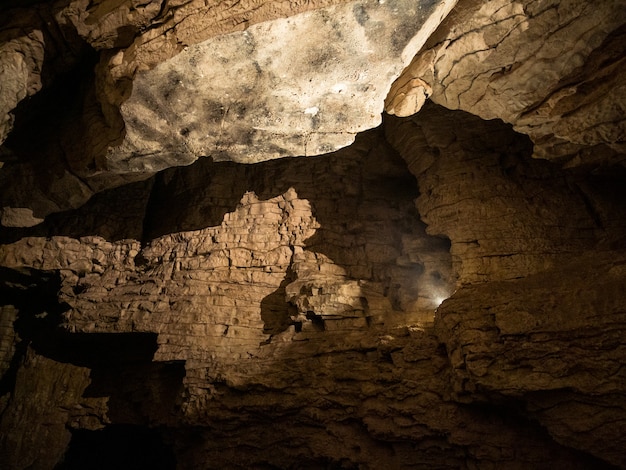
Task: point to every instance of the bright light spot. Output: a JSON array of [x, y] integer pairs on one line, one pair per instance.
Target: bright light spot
[[440, 297], [312, 110], [339, 88]]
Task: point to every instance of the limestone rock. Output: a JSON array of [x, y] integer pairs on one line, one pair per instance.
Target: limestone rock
[[55, 403], [552, 69], [171, 86], [304, 85], [558, 347], [429, 296], [290, 304], [512, 224], [21, 58]]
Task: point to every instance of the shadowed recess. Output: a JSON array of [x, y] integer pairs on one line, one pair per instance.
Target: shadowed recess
[[121, 447]]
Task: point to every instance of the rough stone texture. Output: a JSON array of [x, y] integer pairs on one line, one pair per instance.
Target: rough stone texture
[[17, 82], [352, 269], [542, 331], [551, 68], [428, 297], [36, 45], [289, 305], [504, 232], [39, 54], [152, 32], [304, 85], [554, 339], [166, 85], [55, 403]]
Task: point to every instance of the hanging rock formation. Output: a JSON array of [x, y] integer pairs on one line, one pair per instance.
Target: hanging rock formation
[[443, 288], [551, 68]]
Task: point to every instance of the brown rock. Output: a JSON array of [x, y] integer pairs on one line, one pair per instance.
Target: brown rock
[[553, 340], [502, 211], [428, 297], [549, 68]]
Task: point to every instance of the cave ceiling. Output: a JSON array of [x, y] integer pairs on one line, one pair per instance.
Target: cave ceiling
[[312, 234]]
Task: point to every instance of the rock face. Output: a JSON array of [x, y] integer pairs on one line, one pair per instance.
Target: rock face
[[174, 295], [551, 68], [304, 85], [559, 348]]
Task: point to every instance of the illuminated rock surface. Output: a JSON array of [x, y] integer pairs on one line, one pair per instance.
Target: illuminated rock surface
[[174, 295]]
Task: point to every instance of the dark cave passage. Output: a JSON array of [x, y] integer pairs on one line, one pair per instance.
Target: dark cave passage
[[120, 447]]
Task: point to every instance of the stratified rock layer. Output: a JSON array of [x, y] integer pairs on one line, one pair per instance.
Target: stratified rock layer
[[289, 305], [428, 297], [503, 213], [553, 339], [553, 69]]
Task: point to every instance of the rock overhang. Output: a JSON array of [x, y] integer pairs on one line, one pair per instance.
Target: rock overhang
[[297, 86]]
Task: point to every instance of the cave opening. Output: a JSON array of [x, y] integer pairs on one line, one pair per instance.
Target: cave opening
[[119, 446]]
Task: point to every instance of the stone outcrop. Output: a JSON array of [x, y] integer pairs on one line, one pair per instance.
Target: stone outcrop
[[542, 275], [551, 68], [557, 347], [174, 295], [164, 84], [506, 233], [302, 293]]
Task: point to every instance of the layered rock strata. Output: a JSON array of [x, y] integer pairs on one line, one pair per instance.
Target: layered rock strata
[[540, 298], [429, 296], [289, 305], [551, 68]]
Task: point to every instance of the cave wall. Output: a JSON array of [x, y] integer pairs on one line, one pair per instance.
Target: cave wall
[[551, 68], [431, 295], [295, 303]]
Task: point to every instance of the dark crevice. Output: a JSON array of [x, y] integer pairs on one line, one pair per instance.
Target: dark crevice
[[120, 447], [101, 216], [276, 312], [603, 193], [140, 393], [34, 294], [316, 320], [43, 148], [40, 118]]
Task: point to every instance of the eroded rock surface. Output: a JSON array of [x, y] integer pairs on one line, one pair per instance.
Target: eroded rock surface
[[291, 304], [512, 226], [302, 85], [551, 68], [429, 296], [553, 339]]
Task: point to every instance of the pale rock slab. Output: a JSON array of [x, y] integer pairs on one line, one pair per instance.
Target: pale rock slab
[[303, 85]]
